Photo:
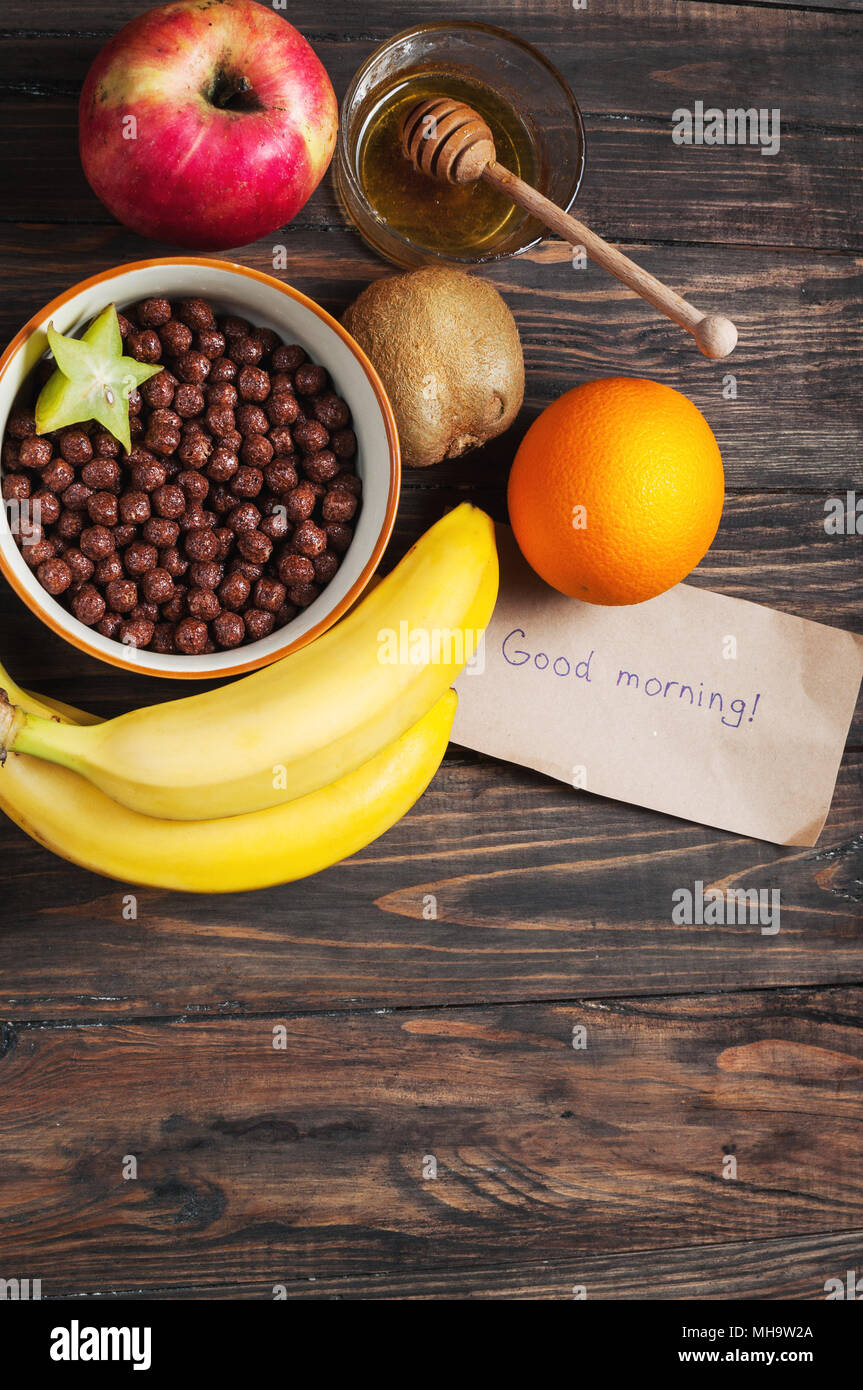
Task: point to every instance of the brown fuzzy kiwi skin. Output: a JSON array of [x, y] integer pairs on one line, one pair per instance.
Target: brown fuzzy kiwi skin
[[448, 352]]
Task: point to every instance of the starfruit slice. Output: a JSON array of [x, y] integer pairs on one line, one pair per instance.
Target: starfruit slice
[[93, 380]]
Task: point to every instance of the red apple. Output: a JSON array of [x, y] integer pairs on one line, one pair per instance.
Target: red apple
[[206, 123]]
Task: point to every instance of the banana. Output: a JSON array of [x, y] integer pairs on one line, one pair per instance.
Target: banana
[[77, 821], [304, 721]]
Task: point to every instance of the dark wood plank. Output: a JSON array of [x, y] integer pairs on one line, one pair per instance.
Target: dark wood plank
[[536, 20], [673, 54], [255, 1164], [797, 418], [823, 6], [639, 185], [794, 1268], [540, 893]]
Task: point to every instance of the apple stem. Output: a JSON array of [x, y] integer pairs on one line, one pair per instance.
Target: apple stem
[[230, 87]]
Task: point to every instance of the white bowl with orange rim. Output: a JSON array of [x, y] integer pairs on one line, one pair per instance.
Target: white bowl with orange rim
[[267, 303]]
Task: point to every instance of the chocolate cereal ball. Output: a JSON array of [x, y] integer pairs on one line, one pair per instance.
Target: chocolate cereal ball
[[229, 630], [190, 636], [54, 575]]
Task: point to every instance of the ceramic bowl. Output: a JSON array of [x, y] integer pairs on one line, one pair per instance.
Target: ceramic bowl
[[267, 303]]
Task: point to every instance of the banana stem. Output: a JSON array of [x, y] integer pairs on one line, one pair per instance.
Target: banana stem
[[10, 720], [48, 739]]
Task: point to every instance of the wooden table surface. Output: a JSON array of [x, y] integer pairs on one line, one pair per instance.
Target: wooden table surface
[[409, 1039]]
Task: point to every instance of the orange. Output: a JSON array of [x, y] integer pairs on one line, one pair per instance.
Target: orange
[[616, 490]]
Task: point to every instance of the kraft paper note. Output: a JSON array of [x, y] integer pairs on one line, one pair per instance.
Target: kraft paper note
[[705, 707]]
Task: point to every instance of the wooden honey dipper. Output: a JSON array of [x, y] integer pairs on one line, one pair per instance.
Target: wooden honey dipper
[[447, 140]]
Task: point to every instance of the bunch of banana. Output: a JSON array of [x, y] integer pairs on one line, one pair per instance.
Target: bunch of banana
[[281, 773]]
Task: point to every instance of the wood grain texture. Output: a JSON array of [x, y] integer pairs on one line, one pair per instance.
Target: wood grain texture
[[259, 1164], [795, 1268], [539, 21], [675, 53], [796, 421]]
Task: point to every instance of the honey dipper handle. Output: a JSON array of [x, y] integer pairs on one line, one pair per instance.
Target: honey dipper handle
[[715, 335]]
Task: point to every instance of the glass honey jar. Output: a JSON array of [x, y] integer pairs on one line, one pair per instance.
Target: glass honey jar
[[414, 220]]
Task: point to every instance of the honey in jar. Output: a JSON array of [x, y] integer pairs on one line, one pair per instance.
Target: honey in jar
[[461, 220]]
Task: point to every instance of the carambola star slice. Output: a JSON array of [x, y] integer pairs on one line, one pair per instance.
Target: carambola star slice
[[93, 380]]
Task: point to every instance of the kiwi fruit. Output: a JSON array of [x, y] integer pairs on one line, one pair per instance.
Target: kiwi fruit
[[448, 352]]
